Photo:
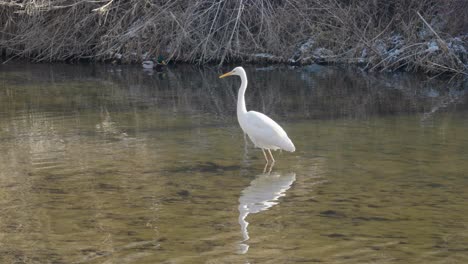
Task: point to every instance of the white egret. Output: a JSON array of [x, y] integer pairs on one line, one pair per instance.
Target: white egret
[[262, 130]]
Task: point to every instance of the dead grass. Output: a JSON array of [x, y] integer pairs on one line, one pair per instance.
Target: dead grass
[[381, 35]]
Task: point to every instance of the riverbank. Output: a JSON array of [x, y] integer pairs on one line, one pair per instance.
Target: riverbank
[[429, 36]]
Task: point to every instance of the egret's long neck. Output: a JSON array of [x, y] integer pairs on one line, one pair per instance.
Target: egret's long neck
[[241, 108]]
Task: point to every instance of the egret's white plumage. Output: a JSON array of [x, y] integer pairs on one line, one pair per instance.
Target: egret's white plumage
[[262, 130]]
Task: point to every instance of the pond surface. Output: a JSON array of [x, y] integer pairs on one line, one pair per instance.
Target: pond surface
[[114, 164]]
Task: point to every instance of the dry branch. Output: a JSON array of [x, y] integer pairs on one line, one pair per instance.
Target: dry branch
[[202, 31]]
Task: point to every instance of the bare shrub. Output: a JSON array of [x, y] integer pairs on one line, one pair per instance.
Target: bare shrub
[[383, 35]]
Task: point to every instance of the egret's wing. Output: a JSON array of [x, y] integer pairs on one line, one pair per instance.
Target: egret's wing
[[262, 127]]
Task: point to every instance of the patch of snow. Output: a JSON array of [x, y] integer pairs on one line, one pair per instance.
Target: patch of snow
[[363, 56], [264, 55], [307, 45], [397, 40], [322, 53], [456, 45], [303, 49], [364, 53], [394, 53], [422, 34], [381, 47], [432, 46]]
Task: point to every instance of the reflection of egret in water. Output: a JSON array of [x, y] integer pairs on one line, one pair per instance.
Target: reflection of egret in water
[[263, 193]]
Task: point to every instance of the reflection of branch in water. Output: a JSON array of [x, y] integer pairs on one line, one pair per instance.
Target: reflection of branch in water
[[263, 193], [444, 102], [280, 92]]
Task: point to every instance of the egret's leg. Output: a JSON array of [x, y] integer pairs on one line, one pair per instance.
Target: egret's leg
[[271, 167], [271, 155], [264, 154]]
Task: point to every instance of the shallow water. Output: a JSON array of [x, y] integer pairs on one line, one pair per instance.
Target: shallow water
[[113, 164]]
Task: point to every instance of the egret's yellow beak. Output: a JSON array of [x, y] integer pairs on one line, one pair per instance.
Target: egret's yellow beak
[[226, 74]]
